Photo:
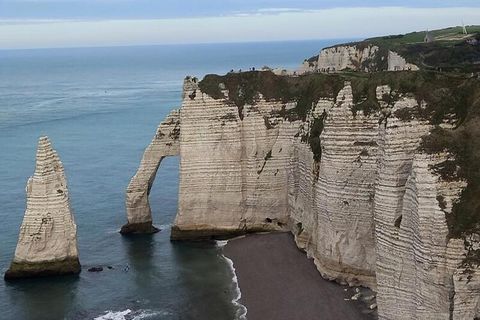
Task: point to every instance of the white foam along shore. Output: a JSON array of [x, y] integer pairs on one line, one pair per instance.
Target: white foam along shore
[[241, 313], [129, 314]]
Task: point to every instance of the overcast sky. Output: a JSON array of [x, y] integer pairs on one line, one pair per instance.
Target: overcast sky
[[73, 23]]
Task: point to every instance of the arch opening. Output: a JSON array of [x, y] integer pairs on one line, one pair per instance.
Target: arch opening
[[166, 142]]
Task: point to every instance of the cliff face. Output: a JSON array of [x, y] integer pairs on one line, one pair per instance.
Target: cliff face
[[233, 166], [47, 244], [356, 167], [331, 200], [361, 56], [415, 260]]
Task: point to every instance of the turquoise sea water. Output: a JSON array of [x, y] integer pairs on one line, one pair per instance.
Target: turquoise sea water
[[100, 107]]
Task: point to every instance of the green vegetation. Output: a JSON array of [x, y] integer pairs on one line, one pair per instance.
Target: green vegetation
[[268, 124], [463, 143], [265, 159], [175, 133], [449, 52], [398, 221], [446, 95], [313, 136], [443, 56], [43, 268], [244, 88], [299, 228], [364, 96], [268, 155], [312, 60], [442, 98], [447, 34]]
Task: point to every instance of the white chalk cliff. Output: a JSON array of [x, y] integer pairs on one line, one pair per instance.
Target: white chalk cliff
[[164, 143], [357, 57], [47, 244], [369, 208]]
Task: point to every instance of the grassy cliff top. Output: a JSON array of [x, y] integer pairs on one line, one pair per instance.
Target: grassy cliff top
[[442, 89], [449, 51], [451, 35]]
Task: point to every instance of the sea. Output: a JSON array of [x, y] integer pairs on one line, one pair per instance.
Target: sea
[[100, 107]]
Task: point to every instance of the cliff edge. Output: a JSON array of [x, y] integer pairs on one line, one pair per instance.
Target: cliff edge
[[376, 175], [447, 49]]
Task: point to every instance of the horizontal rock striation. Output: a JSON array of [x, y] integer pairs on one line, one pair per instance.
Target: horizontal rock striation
[[233, 167], [344, 196], [164, 143], [414, 263], [47, 243], [344, 166]]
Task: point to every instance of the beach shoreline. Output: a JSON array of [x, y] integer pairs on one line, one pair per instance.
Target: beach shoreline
[[278, 281]]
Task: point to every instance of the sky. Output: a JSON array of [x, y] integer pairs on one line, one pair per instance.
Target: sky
[[78, 23]]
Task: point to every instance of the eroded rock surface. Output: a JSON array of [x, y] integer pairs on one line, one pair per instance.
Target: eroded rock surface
[[233, 166], [361, 56], [345, 172], [164, 143], [47, 244]]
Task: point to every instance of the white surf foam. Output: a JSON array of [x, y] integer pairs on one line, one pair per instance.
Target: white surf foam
[[221, 243], [114, 315], [130, 315], [241, 313]]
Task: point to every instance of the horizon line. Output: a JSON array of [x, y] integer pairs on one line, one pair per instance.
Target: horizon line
[[180, 44]]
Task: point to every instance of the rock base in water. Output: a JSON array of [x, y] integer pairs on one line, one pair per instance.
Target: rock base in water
[[139, 228], [178, 234], [20, 270]]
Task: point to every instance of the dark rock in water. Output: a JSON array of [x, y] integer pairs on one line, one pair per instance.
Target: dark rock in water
[[42, 269], [110, 267], [139, 228], [95, 269]]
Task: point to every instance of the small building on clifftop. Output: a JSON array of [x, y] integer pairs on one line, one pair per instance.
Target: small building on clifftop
[[428, 37]]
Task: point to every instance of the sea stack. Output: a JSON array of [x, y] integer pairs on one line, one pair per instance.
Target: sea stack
[[47, 244], [166, 142]]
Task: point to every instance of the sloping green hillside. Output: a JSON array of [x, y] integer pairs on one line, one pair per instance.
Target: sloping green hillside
[[451, 50], [452, 35]]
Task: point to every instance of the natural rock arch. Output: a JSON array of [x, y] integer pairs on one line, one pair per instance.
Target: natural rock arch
[[166, 142]]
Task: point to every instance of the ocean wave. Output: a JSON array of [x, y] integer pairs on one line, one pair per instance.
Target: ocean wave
[[164, 226], [221, 243], [131, 315], [241, 313]]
